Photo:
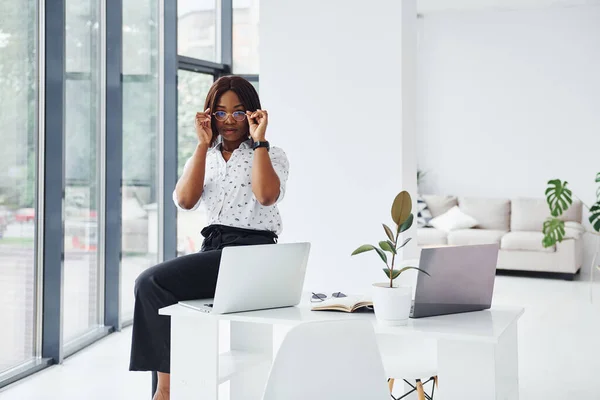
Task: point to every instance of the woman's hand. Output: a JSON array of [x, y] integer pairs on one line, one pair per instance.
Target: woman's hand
[[203, 127], [258, 121]]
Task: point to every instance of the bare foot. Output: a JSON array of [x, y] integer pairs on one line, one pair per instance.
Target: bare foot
[[161, 394]]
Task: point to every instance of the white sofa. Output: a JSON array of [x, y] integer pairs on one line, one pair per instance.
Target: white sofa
[[515, 224]]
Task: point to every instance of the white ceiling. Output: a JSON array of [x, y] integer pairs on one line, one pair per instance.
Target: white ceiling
[[429, 6]]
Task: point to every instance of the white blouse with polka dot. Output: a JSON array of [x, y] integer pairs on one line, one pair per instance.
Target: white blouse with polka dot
[[227, 195]]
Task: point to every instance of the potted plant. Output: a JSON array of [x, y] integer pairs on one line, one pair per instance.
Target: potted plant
[[392, 302], [559, 198]]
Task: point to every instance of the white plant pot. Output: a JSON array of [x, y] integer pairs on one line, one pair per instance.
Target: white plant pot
[[392, 304]]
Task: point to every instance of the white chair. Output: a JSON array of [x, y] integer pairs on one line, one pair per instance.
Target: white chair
[[413, 360], [328, 360]]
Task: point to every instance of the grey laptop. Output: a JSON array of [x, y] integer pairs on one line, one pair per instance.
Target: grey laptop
[[257, 277], [462, 280]]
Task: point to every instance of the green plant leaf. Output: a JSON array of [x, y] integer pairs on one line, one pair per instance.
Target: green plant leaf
[[598, 190], [394, 273], [389, 232], [418, 269], [363, 248], [404, 244], [558, 196], [401, 207], [367, 247], [382, 255], [407, 224], [554, 231], [595, 216], [387, 246], [598, 177]]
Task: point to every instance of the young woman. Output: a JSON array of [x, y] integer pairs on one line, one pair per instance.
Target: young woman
[[240, 179]]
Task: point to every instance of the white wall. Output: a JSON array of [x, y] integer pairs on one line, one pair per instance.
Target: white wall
[[326, 68], [509, 100]]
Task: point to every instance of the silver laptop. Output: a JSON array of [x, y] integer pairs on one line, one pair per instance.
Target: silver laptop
[[462, 280], [257, 277]]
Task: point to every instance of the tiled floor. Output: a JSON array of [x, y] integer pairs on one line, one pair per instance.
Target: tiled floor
[[559, 352]]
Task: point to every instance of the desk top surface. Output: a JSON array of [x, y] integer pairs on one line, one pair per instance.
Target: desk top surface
[[483, 326]]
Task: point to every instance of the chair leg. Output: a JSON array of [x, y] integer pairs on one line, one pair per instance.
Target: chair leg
[[391, 384], [420, 391]]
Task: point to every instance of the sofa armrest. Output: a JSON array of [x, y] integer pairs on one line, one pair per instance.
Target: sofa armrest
[[574, 230], [570, 255]]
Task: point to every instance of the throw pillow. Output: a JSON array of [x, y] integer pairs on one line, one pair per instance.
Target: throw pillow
[[423, 213], [453, 219]]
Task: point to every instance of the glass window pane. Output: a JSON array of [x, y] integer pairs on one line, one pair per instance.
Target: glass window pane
[[192, 89], [245, 37], [18, 135], [139, 239], [197, 29], [81, 273]]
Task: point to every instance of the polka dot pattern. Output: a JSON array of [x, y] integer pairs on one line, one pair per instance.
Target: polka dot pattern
[[227, 195]]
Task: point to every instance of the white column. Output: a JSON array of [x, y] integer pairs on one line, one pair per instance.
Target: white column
[[338, 78]]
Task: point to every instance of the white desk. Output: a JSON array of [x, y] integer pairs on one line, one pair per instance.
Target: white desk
[[477, 352]]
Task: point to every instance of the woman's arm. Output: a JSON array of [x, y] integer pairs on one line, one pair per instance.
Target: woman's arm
[[189, 186], [265, 182]]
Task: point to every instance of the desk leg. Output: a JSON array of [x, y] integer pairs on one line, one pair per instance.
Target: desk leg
[[256, 338], [194, 358], [476, 371]]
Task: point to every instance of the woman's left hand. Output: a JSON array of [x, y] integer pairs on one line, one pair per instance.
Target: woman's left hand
[[258, 124]]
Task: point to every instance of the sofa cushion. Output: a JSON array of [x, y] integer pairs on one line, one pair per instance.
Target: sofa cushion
[[490, 213], [452, 220], [523, 240], [463, 237], [439, 204], [431, 236], [529, 214]]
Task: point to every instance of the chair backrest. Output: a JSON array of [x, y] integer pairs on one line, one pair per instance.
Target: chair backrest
[[327, 360]]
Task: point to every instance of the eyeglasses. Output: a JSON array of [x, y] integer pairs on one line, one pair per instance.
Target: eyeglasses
[[237, 115], [321, 296]]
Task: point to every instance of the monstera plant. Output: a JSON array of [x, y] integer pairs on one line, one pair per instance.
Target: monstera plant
[[403, 219], [559, 198]]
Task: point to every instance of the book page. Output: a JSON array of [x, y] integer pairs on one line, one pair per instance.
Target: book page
[[344, 302]]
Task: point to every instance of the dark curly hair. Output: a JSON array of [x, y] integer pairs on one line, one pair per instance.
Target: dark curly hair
[[244, 90]]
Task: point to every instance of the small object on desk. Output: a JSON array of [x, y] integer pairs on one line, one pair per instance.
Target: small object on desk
[[345, 304]]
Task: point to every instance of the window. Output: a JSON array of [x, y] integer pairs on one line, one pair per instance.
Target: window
[[192, 89], [82, 299], [139, 238], [245, 37], [18, 180], [197, 29]]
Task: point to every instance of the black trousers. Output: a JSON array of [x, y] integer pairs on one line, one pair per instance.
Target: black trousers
[[189, 277]]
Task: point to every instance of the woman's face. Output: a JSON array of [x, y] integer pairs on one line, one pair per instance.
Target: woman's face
[[231, 129]]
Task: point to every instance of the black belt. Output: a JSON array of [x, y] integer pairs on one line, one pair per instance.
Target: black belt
[[213, 235]]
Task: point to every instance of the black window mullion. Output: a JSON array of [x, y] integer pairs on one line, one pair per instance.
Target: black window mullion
[[227, 33], [54, 179], [201, 66], [114, 163], [169, 134]]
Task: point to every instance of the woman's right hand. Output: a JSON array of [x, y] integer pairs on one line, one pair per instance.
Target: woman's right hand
[[203, 127]]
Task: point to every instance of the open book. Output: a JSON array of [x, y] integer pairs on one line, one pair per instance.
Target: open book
[[345, 304]]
